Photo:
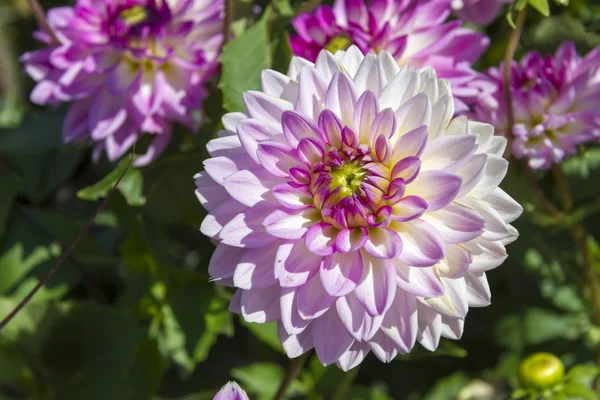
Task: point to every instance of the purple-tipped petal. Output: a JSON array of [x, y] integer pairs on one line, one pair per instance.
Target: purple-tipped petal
[[383, 243], [289, 223], [409, 208], [349, 240], [320, 239], [295, 264], [422, 244], [292, 196], [297, 127], [340, 273], [330, 337], [312, 299], [377, 286], [437, 188]]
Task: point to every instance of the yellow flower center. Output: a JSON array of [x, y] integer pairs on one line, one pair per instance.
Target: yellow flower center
[[340, 42], [348, 178], [134, 15]]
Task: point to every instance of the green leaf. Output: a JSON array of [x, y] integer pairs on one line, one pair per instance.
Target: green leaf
[[542, 6], [131, 186], [145, 375], [582, 373], [170, 189], [242, 60], [266, 333], [88, 353], [280, 46], [13, 266], [358, 392], [37, 151], [579, 391], [543, 325], [448, 388], [12, 364], [34, 227], [545, 37], [10, 185], [192, 320]]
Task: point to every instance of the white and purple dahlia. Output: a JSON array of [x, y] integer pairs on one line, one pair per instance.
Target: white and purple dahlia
[[352, 209], [413, 32], [129, 66], [555, 101]]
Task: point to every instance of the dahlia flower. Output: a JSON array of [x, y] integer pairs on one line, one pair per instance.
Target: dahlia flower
[[555, 100], [129, 66], [231, 391], [352, 209], [414, 33], [478, 12]]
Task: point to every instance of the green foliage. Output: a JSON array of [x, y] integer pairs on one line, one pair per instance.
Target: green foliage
[[242, 61], [131, 313], [130, 186], [542, 6]]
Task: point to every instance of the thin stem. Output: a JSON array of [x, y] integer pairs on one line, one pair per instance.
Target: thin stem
[[86, 278], [580, 236], [509, 56], [563, 188], [292, 372], [227, 22], [64, 256], [42, 21], [538, 192]]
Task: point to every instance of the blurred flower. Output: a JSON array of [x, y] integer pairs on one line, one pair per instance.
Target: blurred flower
[[350, 208], [555, 103], [231, 391], [478, 12], [477, 390], [541, 371], [414, 33], [129, 66]]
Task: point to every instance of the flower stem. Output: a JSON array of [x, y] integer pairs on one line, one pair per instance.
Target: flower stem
[[509, 56], [64, 255], [42, 21], [581, 239], [227, 22], [292, 372]]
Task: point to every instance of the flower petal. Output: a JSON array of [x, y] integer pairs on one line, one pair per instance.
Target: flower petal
[[340, 273], [290, 224], [383, 243], [377, 286], [437, 188]]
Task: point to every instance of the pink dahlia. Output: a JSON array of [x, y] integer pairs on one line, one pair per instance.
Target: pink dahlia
[[555, 100], [231, 391], [129, 66], [478, 12], [413, 32], [352, 209]]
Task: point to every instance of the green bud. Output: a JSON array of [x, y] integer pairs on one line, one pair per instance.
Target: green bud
[[541, 371]]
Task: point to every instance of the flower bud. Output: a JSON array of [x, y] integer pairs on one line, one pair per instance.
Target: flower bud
[[231, 391], [541, 371]]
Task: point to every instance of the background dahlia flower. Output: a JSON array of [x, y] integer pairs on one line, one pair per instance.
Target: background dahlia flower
[[478, 12], [413, 32], [231, 391], [353, 210], [555, 100], [129, 66]]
